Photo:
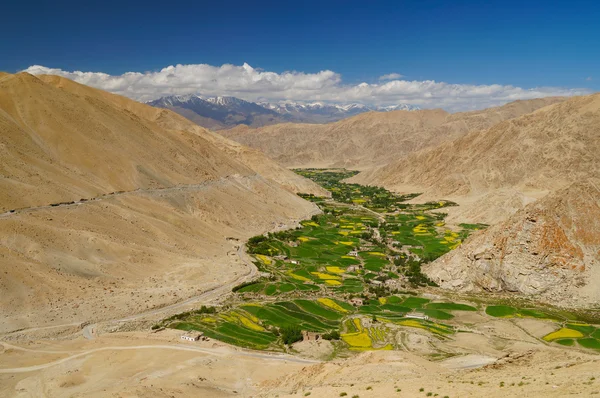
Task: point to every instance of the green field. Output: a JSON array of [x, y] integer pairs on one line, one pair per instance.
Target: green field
[[366, 248]]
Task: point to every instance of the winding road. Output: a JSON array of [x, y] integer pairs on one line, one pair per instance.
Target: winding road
[[110, 195], [89, 330], [177, 347]]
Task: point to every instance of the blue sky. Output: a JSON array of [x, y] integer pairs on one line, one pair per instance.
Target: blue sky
[[526, 44]]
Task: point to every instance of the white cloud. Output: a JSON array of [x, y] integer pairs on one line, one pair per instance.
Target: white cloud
[[390, 76], [256, 85], [589, 79]]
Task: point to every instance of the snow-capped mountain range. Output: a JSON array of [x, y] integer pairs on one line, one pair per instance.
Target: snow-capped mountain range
[[225, 112]]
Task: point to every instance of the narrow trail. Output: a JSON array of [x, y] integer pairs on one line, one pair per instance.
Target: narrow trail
[[222, 352], [378, 215], [151, 191], [206, 297], [89, 330]]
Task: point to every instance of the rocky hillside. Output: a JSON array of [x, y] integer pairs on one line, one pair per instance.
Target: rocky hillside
[[542, 150], [549, 249], [106, 212], [496, 171], [374, 138]]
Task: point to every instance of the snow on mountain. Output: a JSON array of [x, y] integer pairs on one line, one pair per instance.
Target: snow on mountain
[[225, 111]]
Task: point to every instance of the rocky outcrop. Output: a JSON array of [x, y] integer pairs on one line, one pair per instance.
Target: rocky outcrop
[[550, 249]]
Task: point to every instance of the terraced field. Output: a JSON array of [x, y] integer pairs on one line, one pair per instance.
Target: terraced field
[[350, 274]]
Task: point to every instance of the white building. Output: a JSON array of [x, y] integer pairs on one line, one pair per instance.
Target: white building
[[353, 253], [417, 316], [191, 336]]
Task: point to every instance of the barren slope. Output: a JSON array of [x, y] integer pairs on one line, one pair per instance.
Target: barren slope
[[167, 119], [510, 164], [166, 203], [372, 138], [551, 248]]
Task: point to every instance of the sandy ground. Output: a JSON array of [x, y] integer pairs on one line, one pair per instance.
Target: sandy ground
[[144, 364], [497, 357]]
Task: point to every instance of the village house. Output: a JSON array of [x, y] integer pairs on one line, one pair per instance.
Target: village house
[[191, 336], [357, 301], [295, 262], [353, 253], [310, 336]]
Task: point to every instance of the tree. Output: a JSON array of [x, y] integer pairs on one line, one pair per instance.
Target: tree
[[290, 334], [333, 335]]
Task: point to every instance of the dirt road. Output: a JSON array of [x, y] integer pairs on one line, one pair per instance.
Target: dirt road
[[179, 347]]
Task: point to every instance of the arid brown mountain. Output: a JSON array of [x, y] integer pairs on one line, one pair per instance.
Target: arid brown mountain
[[549, 249], [374, 138], [160, 213], [515, 161]]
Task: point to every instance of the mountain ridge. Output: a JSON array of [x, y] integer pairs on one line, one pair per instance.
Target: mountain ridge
[[371, 139], [223, 112]]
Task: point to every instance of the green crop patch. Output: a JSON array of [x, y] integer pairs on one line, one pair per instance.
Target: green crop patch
[[589, 343], [437, 314], [316, 309], [415, 302], [450, 307], [500, 311], [583, 328], [365, 248], [565, 342]]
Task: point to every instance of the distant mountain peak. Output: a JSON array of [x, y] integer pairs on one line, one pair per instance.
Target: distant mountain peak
[[228, 111]]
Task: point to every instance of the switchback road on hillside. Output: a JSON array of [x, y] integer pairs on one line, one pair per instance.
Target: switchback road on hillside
[[83, 201]]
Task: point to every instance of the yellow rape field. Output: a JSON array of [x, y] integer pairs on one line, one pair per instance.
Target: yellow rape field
[[349, 257], [360, 340], [264, 259], [420, 229], [335, 270], [345, 233], [327, 302], [311, 224], [322, 275], [250, 325], [421, 218], [382, 300], [227, 317], [564, 333], [298, 277], [332, 282], [303, 239], [358, 200], [208, 319], [347, 243], [377, 254]]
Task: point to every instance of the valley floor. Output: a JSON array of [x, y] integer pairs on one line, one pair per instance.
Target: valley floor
[[467, 346]]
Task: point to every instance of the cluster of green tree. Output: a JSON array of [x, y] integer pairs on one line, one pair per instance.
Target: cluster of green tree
[[290, 334], [202, 310], [333, 335], [411, 268], [381, 291], [260, 245]]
